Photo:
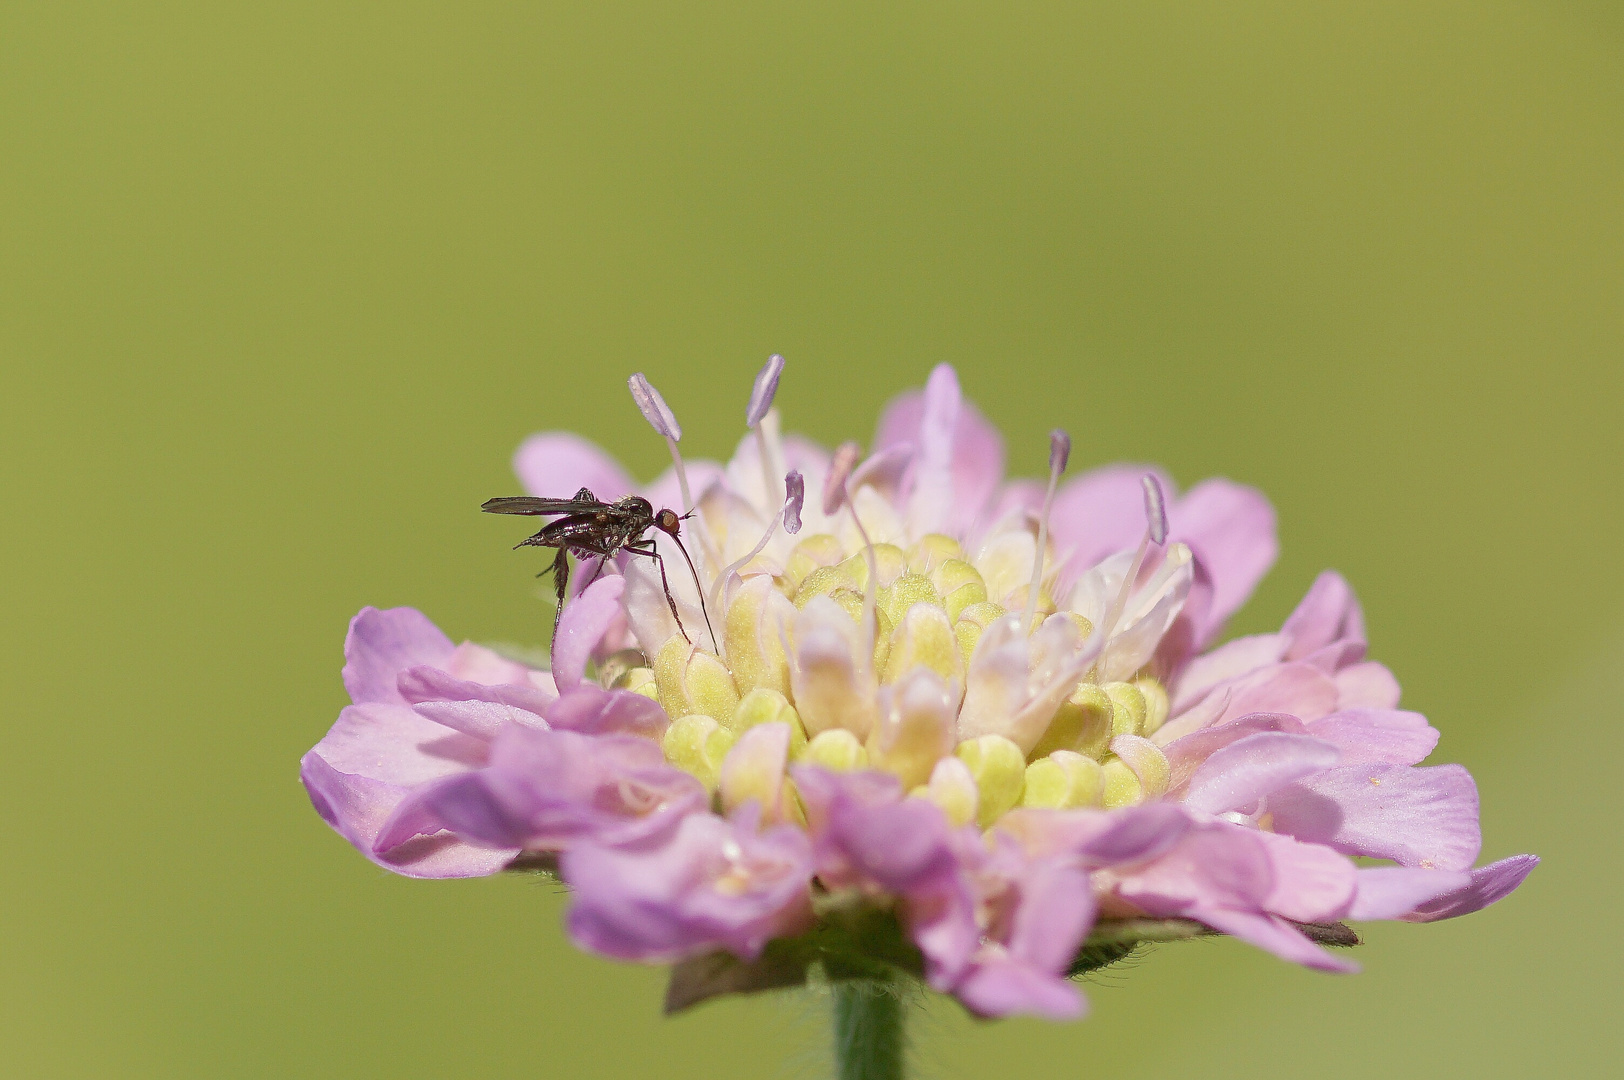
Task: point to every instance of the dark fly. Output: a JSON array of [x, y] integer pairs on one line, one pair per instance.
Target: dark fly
[[587, 528]]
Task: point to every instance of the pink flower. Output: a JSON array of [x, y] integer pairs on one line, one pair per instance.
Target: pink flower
[[988, 711]]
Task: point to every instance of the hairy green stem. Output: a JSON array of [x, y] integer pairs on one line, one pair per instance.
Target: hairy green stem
[[868, 1032]]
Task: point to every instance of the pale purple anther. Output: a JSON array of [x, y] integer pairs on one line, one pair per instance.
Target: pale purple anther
[[766, 386], [794, 500], [1059, 451], [654, 408], [1155, 508]]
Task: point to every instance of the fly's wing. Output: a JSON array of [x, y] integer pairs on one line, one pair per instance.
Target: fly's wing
[[526, 504]]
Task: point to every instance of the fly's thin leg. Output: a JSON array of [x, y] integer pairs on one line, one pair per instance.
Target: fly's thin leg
[[670, 600], [595, 574]]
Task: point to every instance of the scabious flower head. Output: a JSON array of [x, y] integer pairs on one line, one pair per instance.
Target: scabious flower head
[[927, 720]]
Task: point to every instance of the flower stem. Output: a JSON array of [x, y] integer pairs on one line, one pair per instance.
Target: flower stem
[[868, 1032]]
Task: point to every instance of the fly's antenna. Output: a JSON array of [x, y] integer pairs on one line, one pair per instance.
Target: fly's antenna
[[700, 589]]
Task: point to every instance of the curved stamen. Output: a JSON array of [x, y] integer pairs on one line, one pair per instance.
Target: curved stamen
[[790, 515], [664, 422], [1059, 454], [1155, 533], [760, 407]]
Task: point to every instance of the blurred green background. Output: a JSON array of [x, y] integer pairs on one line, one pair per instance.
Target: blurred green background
[[282, 286]]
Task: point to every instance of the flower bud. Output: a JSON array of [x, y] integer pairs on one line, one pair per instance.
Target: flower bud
[[891, 560], [1063, 781], [1127, 708], [953, 789], [1156, 704], [765, 706], [755, 651], [1122, 787], [819, 549], [754, 769], [999, 770], [903, 593], [959, 584], [697, 744], [1005, 564], [639, 680], [972, 620], [931, 551], [836, 749], [1147, 762], [915, 728], [1082, 724], [924, 638], [690, 680]]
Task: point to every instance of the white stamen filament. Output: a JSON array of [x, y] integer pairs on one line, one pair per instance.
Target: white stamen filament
[[1155, 533], [736, 565], [1059, 453]]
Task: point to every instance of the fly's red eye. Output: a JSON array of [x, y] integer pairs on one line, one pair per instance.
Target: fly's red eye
[[668, 520]]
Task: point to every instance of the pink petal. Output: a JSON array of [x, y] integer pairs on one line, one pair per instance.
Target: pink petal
[[1328, 613], [1391, 892], [1228, 661], [1488, 884], [581, 626], [1005, 987], [591, 710], [1231, 530], [1423, 817], [420, 684], [1100, 513], [1240, 774], [1186, 754], [357, 807], [1311, 883], [381, 644], [1366, 685], [1275, 935], [556, 464], [960, 460], [1402, 738]]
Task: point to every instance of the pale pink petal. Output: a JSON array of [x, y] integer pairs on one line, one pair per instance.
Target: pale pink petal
[[1185, 755], [381, 644], [1231, 530], [1424, 817], [960, 459], [1392, 892], [1402, 738], [1100, 513], [1275, 935], [1488, 884], [420, 684], [1003, 987], [582, 625], [1311, 883], [1328, 613], [481, 719], [357, 806], [1366, 685], [556, 464], [1228, 661], [1240, 774]]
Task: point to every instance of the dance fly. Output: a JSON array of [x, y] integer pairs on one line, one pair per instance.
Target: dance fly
[[587, 528]]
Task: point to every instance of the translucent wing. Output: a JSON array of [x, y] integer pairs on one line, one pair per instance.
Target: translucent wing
[[584, 502]]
